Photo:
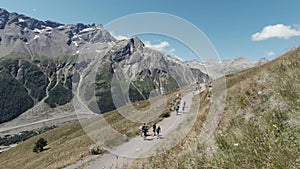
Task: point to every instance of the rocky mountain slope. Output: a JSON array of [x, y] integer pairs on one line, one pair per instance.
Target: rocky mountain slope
[[134, 72], [49, 62], [22, 34]]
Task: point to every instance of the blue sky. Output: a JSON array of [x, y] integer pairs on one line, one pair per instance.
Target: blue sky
[[252, 29]]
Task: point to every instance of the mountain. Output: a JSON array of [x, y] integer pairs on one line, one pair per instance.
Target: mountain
[[22, 34], [146, 70], [220, 68], [45, 64]]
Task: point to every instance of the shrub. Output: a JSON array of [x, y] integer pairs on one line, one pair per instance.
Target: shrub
[[95, 149], [39, 145]]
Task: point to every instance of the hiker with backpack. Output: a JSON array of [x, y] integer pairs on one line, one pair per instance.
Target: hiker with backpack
[[154, 129], [144, 130], [177, 109], [158, 129]]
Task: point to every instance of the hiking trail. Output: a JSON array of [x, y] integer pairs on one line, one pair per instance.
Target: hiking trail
[[137, 147]]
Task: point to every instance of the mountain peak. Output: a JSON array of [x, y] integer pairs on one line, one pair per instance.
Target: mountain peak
[[240, 58], [3, 11], [23, 34], [137, 43], [262, 61], [52, 24]]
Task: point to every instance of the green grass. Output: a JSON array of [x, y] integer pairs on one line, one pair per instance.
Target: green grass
[[271, 96]]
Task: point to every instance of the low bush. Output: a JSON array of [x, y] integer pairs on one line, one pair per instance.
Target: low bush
[[95, 149], [39, 145]]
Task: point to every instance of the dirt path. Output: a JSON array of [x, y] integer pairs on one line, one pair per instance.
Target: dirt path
[[137, 147]]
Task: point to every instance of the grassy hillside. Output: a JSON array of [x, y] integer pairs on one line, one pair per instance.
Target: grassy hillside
[[69, 143], [66, 145], [259, 127]]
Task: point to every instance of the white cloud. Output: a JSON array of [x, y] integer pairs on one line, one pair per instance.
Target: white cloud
[[161, 46], [275, 31], [119, 37], [172, 50], [270, 53]]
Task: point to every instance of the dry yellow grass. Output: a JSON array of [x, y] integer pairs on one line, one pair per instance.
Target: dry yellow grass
[[259, 127], [66, 145]]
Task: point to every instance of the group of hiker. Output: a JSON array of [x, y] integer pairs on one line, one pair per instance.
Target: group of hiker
[[156, 130]]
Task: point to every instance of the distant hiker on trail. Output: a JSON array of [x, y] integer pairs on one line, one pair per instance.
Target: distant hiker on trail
[[154, 129], [183, 107], [141, 128], [158, 129], [177, 109], [144, 130]]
